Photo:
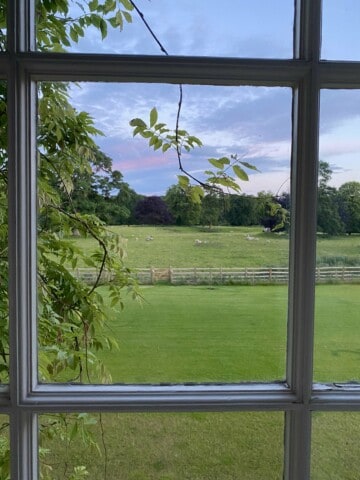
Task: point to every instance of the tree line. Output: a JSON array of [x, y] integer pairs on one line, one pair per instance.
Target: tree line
[[103, 191]]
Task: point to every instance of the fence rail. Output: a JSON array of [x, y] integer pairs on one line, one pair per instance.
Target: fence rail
[[223, 276]]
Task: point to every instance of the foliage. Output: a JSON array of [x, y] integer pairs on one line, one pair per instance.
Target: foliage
[[272, 215], [182, 206], [152, 211], [328, 216], [224, 173], [102, 192], [211, 207], [63, 22], [241, 210], [349, 206]]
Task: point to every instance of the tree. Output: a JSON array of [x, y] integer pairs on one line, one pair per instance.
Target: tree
[[271, 214], [328, 217], [211, 208], [103, 193], [182, 205], [349, 201], [152, 211], [241, 210]]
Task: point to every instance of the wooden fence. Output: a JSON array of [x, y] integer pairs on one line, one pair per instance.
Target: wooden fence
[[224, 276]]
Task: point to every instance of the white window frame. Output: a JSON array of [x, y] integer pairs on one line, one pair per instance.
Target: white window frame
[[306, 74]]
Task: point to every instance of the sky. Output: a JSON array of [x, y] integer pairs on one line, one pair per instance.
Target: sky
[[252, 122]]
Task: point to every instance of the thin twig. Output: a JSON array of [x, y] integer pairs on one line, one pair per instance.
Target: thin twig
[[178, 113], [150, 30], [104, 445]]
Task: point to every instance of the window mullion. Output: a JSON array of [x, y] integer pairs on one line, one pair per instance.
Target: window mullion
[[22, 244], [24, 445], [303, 240]]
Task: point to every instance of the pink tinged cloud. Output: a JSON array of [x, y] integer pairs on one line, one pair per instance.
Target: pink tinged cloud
[[128, 158]]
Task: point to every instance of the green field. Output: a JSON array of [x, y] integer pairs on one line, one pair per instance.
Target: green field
[[221, 247], [221, 334]]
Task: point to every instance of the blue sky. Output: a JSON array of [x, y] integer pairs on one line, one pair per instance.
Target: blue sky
[[253, 122]]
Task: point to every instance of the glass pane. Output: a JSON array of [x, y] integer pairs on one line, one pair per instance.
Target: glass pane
[[340, 32], [211, 446], [4, 448], [338, 270], [336, 437], [212, 269], [4, 303], [206, 28]]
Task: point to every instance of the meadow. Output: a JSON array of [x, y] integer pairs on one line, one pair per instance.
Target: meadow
[[149, 246], [214, 334]]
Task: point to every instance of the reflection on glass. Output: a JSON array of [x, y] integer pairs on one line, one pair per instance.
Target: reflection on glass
[[340, 32], [337, 339], [3, 26], [335, 446], [4, 304], [4, 447], [212, 266], [258, 29], [215, 446]]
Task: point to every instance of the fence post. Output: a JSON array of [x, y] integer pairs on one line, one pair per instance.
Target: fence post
[[170, 276], [152, 275]]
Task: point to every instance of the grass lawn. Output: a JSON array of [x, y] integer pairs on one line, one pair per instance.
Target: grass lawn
[[221, 334], [203, 334]]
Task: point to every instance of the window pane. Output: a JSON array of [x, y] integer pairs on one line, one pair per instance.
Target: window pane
[[214, 267], [340, 34], [4, 304], [336, 438], [205, 28], [214, 446], [338, 271]]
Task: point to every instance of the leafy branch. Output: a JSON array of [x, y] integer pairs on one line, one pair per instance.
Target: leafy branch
[[160, 136]]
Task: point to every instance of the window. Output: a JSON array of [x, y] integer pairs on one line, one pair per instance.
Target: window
[[297, 398]]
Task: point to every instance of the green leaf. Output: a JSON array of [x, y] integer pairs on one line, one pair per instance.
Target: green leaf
[[158, 144], [152, 140], [248, 165], [197, 193], [239, 172], [224, 160], [183, 181], [93, 5], [196, 140], [103, 28], [146, 134], [127, 16], [153, 117], [216, 163], [137, 130], [73, 35], [127, 4], [137, 122], [166, 147]]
